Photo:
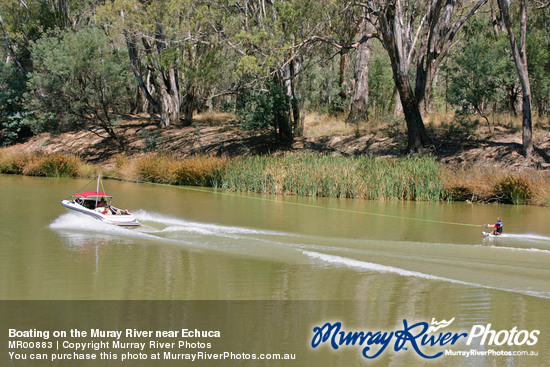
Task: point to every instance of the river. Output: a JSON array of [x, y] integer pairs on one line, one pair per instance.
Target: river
[[368, 264]]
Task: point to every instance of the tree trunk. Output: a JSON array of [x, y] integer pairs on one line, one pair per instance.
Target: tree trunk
[[512, 97], [416, 132], [342, 80], [141, 102], [169, 98], [294, 68], [165, 82], [134, 55], [188, 106], [288, 121], [392, 39], [360, 99], [398, 107], [527, 126], [520, 59], [497, 26]]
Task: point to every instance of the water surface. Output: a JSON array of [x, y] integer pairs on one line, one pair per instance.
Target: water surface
[[390, 260]]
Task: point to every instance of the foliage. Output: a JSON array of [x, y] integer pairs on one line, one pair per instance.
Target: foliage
[[79, 79], [268, 61], [13, 161], [416, 178], [264, 108], [199, 171], [55, 165], [12, 108], [25, 22], [479, 74], [150, 141], [538, 55], [381, 91], [460, 127]]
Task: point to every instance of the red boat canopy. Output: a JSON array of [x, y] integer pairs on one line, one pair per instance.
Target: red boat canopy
[[92, 194]]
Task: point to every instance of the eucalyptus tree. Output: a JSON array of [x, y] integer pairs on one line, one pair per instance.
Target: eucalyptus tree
[[13, 111], [360, 98], [21, 24], [417, 35], [271, 39], [78, 80], [164, 41], [478, 75], [538, 51], [519, 54]]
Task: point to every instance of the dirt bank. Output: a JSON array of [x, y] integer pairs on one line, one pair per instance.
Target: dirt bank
[[218, 136]]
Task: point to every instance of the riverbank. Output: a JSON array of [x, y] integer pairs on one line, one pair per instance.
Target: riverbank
[[332, 159]]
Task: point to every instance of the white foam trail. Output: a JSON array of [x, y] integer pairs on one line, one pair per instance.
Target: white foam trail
[[79, 222], [178, 224], [82, 223], [506, 248], [74, 222], [529, 242], [528, 236], [364, 265]]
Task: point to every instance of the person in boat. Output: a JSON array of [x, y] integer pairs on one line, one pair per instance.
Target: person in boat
[[497, 226], [120, 212], [109, 210], [103, 204]]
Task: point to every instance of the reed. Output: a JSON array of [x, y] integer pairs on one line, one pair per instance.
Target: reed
[[341, 177], [306, 174]]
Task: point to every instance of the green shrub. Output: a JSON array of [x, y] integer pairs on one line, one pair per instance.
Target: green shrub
[[264, 108]]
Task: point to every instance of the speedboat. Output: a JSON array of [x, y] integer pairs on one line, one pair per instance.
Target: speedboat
[[97, 204]]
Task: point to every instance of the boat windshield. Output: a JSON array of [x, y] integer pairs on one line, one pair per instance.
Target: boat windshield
[[92, 200]]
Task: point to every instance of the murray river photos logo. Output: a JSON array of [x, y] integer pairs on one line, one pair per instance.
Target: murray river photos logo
[[427, 340]]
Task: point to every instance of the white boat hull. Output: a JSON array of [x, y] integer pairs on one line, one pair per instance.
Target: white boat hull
[[124, 220]]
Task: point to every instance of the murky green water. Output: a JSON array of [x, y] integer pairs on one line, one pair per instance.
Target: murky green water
[[387, 261]]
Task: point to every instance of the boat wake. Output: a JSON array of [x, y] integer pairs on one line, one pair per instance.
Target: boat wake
[[378, 268], [469, 265], [160, 223], [528, 237]]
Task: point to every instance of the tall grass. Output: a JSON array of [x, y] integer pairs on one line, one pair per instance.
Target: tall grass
[[196, 171], [16, 161], [341, 177], [491, 184], [306, 174]]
